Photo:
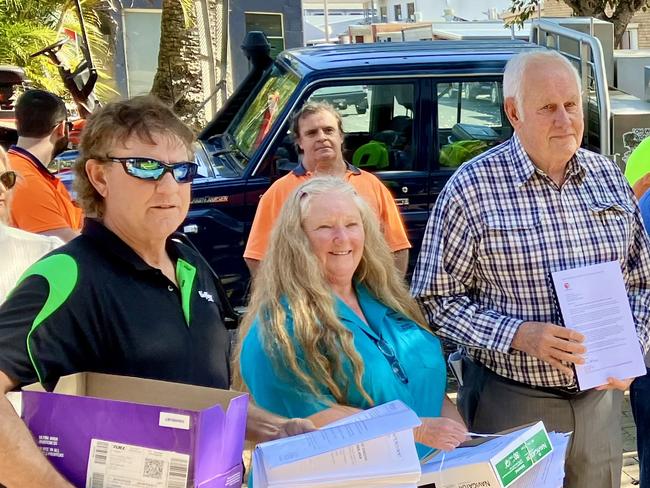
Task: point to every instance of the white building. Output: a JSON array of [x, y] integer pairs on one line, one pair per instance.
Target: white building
[[437, 10]]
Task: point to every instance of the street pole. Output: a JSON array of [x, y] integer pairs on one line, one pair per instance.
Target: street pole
[[327, 24], [372, 11]]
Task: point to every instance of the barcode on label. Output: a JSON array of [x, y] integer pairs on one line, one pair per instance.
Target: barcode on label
[[101, 452], [97, 480], [178, 468], [153, 468]]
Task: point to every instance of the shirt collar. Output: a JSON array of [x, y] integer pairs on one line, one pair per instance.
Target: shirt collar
[[524, 168], [112, 245], [32, 159], [372, 308], [300, 170]]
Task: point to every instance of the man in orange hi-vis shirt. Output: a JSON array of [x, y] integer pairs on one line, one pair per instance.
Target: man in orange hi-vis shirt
[[41, 203], [318, 132]]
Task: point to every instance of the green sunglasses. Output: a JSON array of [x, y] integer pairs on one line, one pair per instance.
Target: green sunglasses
[[152, 169]]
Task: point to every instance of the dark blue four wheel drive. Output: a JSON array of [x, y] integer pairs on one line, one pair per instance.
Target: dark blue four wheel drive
[[427, 103]]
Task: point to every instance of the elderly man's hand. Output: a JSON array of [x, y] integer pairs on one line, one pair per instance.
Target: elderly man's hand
[[616, 384], [550, 343]]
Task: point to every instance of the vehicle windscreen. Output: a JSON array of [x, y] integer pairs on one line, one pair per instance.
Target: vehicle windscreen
[[253, 122]]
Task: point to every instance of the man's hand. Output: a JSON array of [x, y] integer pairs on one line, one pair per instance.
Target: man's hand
[[616, 384], [262, 426], [551, 344], [296, 426], [440, 433]]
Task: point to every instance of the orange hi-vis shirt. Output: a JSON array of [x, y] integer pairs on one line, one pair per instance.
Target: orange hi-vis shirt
[[369, 187], [39, 201]]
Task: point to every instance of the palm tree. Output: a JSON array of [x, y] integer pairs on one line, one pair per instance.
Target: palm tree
[[178, 80]]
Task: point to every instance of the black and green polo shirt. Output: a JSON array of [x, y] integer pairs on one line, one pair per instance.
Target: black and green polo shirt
[[95, 305]]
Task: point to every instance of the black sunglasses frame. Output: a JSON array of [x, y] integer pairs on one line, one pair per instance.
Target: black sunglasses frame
[[8, 179], [192, 168], [389, 353]]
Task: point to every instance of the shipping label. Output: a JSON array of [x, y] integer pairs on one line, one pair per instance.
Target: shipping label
[[115, 465]]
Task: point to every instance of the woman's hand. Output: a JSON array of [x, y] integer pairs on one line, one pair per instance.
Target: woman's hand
[[440, 432]]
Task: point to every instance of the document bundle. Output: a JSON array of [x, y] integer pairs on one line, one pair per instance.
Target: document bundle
[[525, 458], [593, 300], [374, 448]]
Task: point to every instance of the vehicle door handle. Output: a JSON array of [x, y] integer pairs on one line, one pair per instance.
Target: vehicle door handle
[[402, 202]]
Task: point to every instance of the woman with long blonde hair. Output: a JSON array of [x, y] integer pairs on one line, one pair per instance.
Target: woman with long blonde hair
[[331, 327]]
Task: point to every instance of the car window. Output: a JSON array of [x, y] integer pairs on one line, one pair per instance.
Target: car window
[[470, 120], [377, 121], [378, 125], [251, 126]]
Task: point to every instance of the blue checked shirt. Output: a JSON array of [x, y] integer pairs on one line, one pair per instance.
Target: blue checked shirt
[[497, 231]]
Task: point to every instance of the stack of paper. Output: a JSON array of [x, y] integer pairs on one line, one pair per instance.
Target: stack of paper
[[374, 448], [501, 462]]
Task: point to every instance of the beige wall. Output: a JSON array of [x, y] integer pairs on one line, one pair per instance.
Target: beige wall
[[643, 19], [556, 8]]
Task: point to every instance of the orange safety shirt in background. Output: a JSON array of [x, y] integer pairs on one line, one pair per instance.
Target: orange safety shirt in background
[[369, 187], [39, 201]]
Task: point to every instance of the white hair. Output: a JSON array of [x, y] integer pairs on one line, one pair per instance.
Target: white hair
[[515, 68]]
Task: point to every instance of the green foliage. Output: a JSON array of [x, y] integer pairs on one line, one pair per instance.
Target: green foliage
[[27, 26], [188, 12], [523, 10]]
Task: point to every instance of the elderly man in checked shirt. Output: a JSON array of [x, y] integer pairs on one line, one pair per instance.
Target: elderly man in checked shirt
[[505, 220]]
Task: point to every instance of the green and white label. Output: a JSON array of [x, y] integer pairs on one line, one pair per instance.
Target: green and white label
[[523, 457]]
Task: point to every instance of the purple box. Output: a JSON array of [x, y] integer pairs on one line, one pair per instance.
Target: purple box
[[98, 428]]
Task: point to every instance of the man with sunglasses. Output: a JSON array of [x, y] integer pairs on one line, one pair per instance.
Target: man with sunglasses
[[122, 298], [41, 203]]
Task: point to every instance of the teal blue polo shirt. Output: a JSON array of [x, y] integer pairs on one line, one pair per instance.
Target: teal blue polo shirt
[[417, 351]]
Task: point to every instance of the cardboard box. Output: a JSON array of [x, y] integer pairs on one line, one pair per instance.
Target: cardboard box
[[98, 429], [498, 463]]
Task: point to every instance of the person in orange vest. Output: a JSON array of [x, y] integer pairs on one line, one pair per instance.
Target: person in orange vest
[[41, 204], [317, 129]]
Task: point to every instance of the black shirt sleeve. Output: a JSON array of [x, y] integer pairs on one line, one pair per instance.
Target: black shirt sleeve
[[39, 341]]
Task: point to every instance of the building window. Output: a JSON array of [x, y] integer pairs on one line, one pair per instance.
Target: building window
[[410, 11], [271, 25], [398, 12], [383, 13], [141, 46], [630, 39]]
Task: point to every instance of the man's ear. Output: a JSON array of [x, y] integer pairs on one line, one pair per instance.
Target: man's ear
[[512, 112], [59, 130], [96, 172]]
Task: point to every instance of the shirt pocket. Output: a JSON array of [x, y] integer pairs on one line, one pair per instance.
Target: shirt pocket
[[510, 234], [419, 346], [613, 224]]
